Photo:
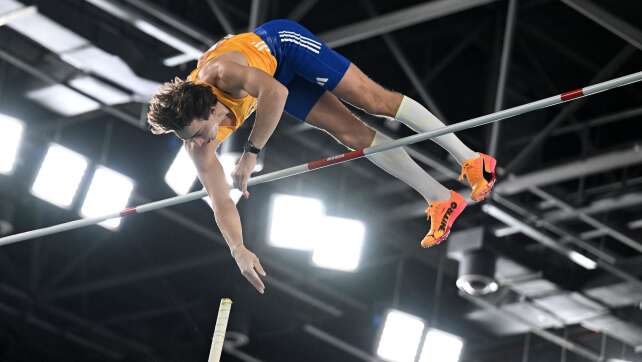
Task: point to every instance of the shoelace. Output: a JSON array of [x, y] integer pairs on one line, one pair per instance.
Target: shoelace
[[465, 168], [428, 210]]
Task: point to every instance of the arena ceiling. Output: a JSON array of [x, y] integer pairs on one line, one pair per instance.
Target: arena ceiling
[[149, 291]]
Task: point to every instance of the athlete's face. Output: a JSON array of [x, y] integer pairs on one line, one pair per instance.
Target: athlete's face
[[202, 131]]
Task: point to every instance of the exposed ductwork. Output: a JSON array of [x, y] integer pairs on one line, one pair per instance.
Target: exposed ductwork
[[571, 170]]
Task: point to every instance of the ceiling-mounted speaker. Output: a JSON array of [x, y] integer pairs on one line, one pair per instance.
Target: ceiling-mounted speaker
[[476, 264], [477, 273]]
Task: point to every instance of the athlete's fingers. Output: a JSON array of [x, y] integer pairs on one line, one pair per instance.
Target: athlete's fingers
[[254, 279], [259, 267], [244, 189], [236, 180]]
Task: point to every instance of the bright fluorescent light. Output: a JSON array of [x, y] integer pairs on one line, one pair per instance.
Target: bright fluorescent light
[[295, 221], [108, 192], [167, 38], [582, 260], [10, 6], [182, 173], [109, 66], [148, 28], [228, 162], [440, 346], [100, 90], [59, 176], [636, 224], [178, 59], [63, 100], [235, 195], [10, 137], [339, 243], [47, 33], [400, 338], [8, 17]]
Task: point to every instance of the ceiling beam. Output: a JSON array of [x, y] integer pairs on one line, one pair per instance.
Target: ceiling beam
[[596, 164], [520, 160], [25, 318], [301, 9], [221, 16], [173, 20], [70, 317], [287, 287], [37, 73], [189, 51], [597, 224], [340, 344], [549, 336], [633, 199], [504, 65], [6, 18], [257, 11], [397, 20], [407, 68], [597, 207], [553, 244], [135, 277], [605, 19], [580, 125], [555, 44]]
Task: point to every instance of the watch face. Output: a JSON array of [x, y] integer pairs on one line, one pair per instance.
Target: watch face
[[249, 147]]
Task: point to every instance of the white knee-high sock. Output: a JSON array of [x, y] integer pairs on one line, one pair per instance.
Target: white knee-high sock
[[419, 119], [398, 163]]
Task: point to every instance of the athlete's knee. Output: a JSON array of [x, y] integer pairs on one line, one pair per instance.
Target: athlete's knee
[[357, 137], [392, 103], [384, 102]]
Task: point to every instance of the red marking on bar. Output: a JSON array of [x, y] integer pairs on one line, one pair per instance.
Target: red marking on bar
[[335, 159], [128, 211], [572, 94]]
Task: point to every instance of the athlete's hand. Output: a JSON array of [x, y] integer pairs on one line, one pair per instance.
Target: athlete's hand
[[244, 168], [250, 267]]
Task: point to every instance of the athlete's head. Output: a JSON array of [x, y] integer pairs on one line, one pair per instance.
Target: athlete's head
[[189, 109]]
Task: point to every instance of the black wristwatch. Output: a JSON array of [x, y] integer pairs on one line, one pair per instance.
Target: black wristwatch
[[249, 147]]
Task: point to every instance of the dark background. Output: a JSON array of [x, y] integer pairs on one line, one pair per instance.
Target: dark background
[[150, 291]]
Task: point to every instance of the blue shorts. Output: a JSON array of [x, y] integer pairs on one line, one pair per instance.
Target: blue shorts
[[305, 65]]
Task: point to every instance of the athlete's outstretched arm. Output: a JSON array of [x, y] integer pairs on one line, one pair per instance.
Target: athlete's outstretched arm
[[270, 96], [212, 176]]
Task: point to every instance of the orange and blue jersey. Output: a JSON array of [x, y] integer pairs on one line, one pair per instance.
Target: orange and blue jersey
[[292, 55], [257, 54]]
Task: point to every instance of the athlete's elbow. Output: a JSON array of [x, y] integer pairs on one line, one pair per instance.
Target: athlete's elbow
[[283, 90], [279, 91], [223, 207], [280, 95]]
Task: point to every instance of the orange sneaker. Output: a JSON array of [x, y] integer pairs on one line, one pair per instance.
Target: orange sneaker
[[480, 172], [442, 216]]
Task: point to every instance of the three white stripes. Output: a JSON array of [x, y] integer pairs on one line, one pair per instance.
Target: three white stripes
[[296, 38], [261, 46]]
